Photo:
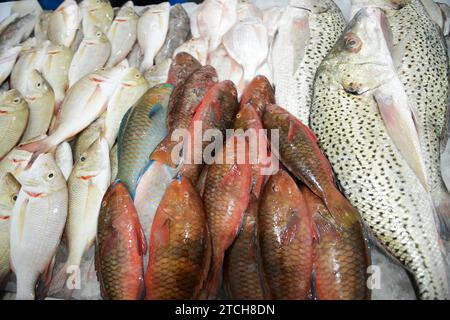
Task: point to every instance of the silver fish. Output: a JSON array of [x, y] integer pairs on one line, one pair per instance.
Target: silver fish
[[17, 31]]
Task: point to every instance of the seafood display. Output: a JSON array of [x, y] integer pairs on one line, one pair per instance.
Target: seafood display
[[225, 150]]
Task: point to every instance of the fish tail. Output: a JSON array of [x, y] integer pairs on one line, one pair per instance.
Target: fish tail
[[214, 278], [25, 288], [442, 204], [342, 211], [60, 281], [38, 147]]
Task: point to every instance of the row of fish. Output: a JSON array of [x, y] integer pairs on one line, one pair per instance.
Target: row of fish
[[96, 96]]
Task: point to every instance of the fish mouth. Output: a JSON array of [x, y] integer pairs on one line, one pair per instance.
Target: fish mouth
[[121, 20], [35, 195], [2, 217], [31, 98], [90, 43], [53, 52], [96, 79], [2, 112], [87, 177], [128, 84]]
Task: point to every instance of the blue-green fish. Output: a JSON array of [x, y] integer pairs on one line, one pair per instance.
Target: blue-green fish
[[142, 129]]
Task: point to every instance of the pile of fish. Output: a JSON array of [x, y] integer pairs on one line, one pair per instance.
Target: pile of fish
[[98, 106]]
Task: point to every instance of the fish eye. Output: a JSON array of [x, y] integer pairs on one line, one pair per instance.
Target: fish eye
[[82, 158], [238, 116], [50, 175], [14, 197], [98, 34], [16, 100], [352, 42], [138, 75], [186, 194], [103, 204], [275, 188], [38, 84]]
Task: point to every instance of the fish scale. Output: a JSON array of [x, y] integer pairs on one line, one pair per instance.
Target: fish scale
[[325, 29], [423, 71]]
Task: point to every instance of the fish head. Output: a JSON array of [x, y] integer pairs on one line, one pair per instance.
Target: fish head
[[280, 190], [12, 101], [246, 118], [258, 92], [133, 78], [92, 161], [274, 115], [95, 37], [37, 86], [9, 190], [180, 198], [362, 57], [43, 177]]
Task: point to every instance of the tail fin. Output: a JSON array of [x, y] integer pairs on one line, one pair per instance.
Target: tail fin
[[442, 204], [214, 279], [37, 148], [342, 211], [58, 282]]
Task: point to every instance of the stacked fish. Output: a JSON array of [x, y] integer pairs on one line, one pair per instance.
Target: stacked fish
[[98, 106]]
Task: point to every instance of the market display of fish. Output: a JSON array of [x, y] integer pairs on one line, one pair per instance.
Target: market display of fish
[[225, 149]]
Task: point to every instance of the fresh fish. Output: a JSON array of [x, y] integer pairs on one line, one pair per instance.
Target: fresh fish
[[185, 98], [340, 260], [87, 184], [135, 56], [122, 34], [119, 247], [307, 31], [142, 128], [249, 121], [392, 201], [8, 20], [96, 13], [266, 70], [17, 31], [179, 247], [41, 27], [41, 104], [7, 60], [226, 196], [214, 19], [64, 159], [150, 189], [198, 48], [4, 87], [193, 20], [271, 16], [216, 111], [64, 23], [227, 68], [177, 34], [285, 232], [85, 101], [91, 55], [242, 270], [246, 9], [151, 32], [77, 41], [14, 162], [182, 67], [131, 89], [114, 163], [248, 43], [259, 93], [55, 70], [37, 223], [158, 73], [9, 190], [89, 135], [435, 13], [13, 120]]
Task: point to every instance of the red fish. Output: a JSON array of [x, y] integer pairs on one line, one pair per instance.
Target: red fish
[[258, 94], [182, 67]]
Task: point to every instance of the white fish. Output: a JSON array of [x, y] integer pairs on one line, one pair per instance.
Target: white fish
[[266, 70], [246, 9], [14, 162], [8, 20], [271, 16], [214, 19], [64, 23], [17, 31], [37, 223], [149, 192], [227, 68], [89, 135], [13, 120], [77, 41], [9, 189], [96, 13], [41, 27], [151, 32], [196, 47], [91, 55], [87, 184], [158, 73], [64, 159], [132, 87], [41, 103], [85, 101], [247, 43], [122, 34], [134, 58], [8, 58], [114, 163]]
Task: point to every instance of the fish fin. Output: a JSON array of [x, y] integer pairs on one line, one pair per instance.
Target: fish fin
[[214, 276], [163, 152], [141, 173], [442, 204], [400, 123], [59, 281], [323, 226], [122, 126], [155, 110], [140, 235], [36, 148], [290, 232], [231, 175], [344, 215], [45, 280]]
